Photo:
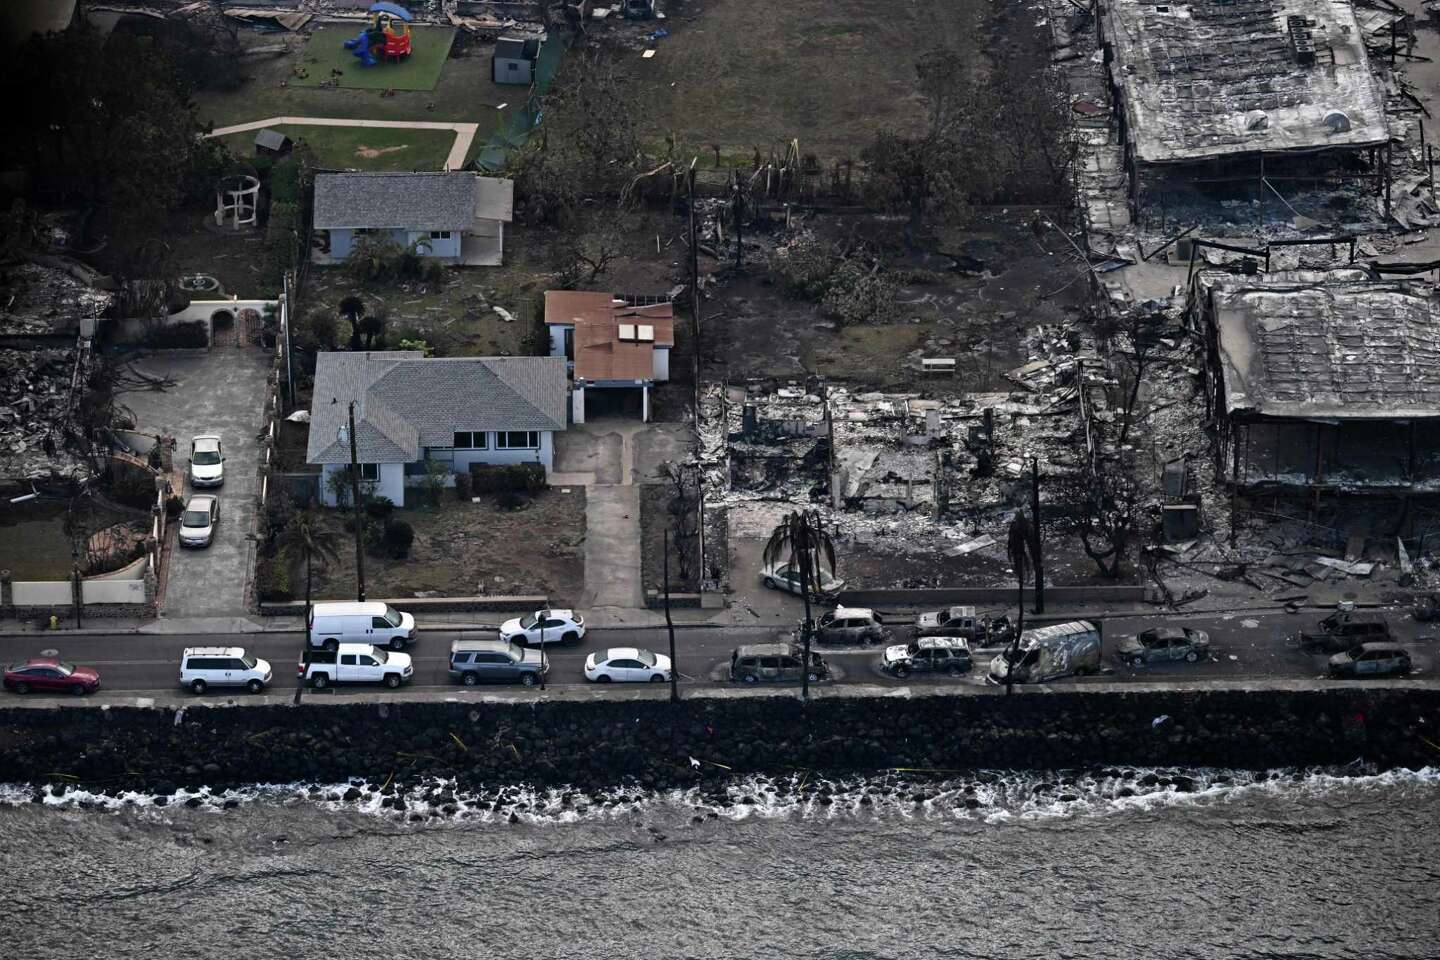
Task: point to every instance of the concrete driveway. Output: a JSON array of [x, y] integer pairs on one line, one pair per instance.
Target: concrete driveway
[[218, 391]]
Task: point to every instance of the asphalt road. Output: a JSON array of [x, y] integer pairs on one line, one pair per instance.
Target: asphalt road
[[1244, 648]]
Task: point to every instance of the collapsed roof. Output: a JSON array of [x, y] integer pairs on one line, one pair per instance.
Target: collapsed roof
[[1330, 345], [1212, 78]]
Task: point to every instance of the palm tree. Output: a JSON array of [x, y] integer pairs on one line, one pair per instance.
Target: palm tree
[[1022, 547], [352, 308], [311, 536], [802, 541]]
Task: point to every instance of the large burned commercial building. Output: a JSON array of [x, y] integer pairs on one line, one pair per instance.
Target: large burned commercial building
[[1324, 380], [1242, 95]]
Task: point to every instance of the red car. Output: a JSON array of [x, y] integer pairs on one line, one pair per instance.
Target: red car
[[50, 674]]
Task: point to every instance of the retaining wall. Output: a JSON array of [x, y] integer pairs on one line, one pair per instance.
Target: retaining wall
[[595, 743], [422, 605], [991, 596]]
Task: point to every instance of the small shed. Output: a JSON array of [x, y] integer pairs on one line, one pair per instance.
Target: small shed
[[514, 59], [271, 143]]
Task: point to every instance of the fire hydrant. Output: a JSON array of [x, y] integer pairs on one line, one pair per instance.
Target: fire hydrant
[[54, 622]]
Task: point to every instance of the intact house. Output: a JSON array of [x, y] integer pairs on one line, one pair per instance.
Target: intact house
[[1323, 380], [1233, 92], [410, 408], [454, 217], [617, 348]]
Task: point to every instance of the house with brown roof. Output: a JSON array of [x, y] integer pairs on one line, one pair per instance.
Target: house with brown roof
[[616, 348]]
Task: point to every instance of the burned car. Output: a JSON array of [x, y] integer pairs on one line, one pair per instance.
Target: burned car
[[852, 625], [951, 622], [1162, 644], [1371, 660], [946, 655], [1345, 629]]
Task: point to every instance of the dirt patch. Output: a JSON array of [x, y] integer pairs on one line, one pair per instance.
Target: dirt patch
[[370, 153], [655, 519], [465, 549]]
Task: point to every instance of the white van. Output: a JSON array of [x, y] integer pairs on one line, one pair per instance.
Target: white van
[[205, 667], [372, 622], [1048, 653]]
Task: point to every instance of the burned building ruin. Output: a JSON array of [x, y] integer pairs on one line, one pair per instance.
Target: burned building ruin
[[1247, 99], [1323, 380]]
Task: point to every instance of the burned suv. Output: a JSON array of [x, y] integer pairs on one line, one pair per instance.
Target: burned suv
[[950, 656], [851, 625], [1345, 629]]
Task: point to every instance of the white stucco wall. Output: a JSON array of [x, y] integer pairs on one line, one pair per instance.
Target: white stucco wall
[[113, 591], [392, 483], [41, 593]]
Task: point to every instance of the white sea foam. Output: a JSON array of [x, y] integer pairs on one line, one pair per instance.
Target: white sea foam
[[985, 797]]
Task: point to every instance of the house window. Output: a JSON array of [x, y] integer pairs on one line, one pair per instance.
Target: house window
[[479, 440], [439, 234], [370, 472], [517, 440]]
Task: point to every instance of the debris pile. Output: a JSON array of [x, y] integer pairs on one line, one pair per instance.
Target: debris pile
[[34, 394], [41, 300]]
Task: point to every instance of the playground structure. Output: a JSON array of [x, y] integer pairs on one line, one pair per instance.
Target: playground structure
[[386, 35], [237, 198]]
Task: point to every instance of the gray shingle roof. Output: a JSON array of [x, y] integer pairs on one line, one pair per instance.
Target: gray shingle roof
[[405, 402], [406, 201]]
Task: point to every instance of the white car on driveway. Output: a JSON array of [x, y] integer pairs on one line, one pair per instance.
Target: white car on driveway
[[207, 461], [545, 626], [626, 665], [782, 576], [198, 521]]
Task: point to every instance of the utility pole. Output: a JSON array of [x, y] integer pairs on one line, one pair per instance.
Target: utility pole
[[305, 643], [739, 219], [1035, 541], [670, 628], [356, 506], [544, 660], [694, 285]]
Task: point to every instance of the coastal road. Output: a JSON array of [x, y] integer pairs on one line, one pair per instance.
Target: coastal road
[[1245, 647]]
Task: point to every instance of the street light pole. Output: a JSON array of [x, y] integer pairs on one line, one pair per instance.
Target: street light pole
[[355, 505], [544, 660]]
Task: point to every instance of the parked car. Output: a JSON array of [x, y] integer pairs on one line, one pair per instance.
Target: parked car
[[951, 622], [204, 667], [1344, 629], [1048, 653], [947, 655], [355, 663], [199, 520], [49, 674], [1165, 643], [544, 626], [367, 622], [755, 662], [852, 625], [496, 661], [782, 576], [1371, 660], [207, 461], [627, 664]]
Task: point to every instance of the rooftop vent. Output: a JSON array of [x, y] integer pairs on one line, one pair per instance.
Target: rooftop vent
[[1256, 120], [1302, 39], [1337, 121]]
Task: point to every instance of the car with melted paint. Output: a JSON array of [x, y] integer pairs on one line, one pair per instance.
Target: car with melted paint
[[1345, 629], [949, 656], [207, 461], [783, 576], [544, 626], [1164, 644], [775, 663], [627, 665], [1370, 660], [51, 675], [961, 621], [198, 521], [1049, 653], [851, 625]]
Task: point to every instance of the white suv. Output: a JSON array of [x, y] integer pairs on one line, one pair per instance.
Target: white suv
[[205, 667]]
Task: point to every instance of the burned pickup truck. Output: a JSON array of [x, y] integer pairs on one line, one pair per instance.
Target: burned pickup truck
[[1343, 630]]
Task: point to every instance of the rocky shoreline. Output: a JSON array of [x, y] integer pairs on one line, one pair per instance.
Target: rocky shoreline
[[596, 748]]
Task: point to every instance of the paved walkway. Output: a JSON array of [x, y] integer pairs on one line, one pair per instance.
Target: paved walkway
[[464, 132]]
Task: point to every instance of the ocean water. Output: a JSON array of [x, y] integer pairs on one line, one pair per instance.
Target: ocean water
[[1135, 864]]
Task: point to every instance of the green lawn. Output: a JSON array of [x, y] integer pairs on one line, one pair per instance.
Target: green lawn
[[361, 148], [325, 60]]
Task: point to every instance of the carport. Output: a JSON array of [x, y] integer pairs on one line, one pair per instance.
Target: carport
[[220, 392]]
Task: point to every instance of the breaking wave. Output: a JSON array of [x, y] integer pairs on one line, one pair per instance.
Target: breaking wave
[[984, 796]]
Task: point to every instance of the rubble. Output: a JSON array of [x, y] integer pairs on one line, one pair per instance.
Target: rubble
[[48, 299], [34, 399]]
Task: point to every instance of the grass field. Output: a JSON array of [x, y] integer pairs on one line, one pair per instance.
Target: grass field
[[357, 148], [326, 59], [464, 93], [752, 73]]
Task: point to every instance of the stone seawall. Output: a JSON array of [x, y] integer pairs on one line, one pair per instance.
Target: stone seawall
[[594, 744]]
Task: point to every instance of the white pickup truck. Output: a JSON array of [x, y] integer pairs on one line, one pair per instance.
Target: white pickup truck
[[355, 663]]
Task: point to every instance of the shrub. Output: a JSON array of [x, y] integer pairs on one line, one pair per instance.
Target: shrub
[[272, 578], [379, 508], [398, 537], [173, 505], [179, 336], [513, 477], [509, 500], [464, 486]]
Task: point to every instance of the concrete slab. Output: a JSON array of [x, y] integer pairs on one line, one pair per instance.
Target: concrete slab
[[217, 391], [612, 547], [657, 443], [591, 448]]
